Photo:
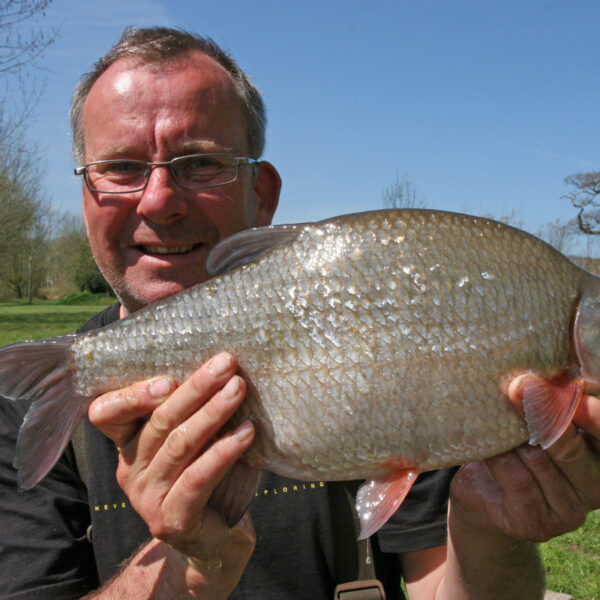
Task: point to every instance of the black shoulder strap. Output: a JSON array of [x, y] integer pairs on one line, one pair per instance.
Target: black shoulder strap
[[78, 441], [354, 565]]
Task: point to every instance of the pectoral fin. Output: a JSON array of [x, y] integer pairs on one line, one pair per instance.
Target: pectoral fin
[[378, 500], [549, 408]]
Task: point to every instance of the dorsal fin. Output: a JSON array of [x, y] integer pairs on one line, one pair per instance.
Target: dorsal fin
[[249, 245]]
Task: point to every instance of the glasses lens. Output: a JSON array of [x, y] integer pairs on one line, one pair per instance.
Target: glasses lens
[[204, 170], [117, 175]]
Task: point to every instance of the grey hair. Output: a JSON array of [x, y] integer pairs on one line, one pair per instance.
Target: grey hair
[[161, 44]]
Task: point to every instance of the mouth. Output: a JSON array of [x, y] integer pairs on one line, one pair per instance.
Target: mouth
[[168, 250]]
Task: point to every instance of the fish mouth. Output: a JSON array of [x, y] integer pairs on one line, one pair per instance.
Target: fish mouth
[[168, 250]]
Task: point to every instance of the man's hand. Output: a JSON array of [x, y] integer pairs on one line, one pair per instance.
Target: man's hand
[[501, 507], [531, 494], [170, 463]]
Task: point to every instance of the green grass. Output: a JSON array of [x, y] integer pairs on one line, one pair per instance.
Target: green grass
[[573, 561], [20, 321]]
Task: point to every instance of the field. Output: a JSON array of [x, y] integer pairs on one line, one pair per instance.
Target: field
[[19, 321], [572, 561]]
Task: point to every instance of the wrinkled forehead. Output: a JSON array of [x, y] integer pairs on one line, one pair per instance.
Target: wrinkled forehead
[[193, 92]]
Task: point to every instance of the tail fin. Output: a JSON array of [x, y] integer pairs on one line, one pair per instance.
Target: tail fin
[[40, 372]]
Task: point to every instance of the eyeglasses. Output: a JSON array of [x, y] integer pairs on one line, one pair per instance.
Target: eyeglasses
[[193, 172]]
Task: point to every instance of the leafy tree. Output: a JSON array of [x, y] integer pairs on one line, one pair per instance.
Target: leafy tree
[[24, 225], [72, 266]]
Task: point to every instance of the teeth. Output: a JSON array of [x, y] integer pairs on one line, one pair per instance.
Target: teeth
[[172, 250]]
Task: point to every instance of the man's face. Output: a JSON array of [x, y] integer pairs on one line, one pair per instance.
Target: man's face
[[154, 243]]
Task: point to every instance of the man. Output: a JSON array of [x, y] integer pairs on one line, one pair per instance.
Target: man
[[161, 95]]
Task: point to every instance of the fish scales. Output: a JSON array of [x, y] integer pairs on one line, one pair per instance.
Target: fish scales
[[353, 335]]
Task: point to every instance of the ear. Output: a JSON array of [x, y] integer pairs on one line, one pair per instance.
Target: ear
[[267, 187]]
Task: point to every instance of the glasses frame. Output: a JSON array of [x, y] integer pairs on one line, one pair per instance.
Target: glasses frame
[[239, 161]]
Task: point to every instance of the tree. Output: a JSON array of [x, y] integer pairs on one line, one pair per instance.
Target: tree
[[19, 48], [21, 43], [510, 218], [72, 265], [559, 234], [586, 198], [24, 223], [402, 193]]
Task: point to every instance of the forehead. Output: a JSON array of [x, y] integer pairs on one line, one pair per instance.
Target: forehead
[[193, 91]]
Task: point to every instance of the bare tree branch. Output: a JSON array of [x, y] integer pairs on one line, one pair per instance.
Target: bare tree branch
[[585, 197], [402, 193], [19, 48]]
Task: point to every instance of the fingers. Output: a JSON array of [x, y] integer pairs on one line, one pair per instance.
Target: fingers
[[575, 456], [118, 414], [587, 416], [170, 468], [539, 500], [533, 494], [515, 392], [166, 450], [193, 413], [196, 484], [174, 451]]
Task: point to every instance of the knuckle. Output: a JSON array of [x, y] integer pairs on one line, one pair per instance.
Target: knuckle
[[194, 479], [134, 397], [158, 529], [570, 449], [160, 424], [177, 444], [522, 481], [122, 475], [213, 411]]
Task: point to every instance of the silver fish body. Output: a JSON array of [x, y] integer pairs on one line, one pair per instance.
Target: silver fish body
[[372, 343]]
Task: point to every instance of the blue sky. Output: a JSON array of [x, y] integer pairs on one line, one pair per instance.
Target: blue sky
[[485, 106]]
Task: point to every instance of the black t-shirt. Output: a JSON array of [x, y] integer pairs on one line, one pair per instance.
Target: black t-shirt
[[44, 552]]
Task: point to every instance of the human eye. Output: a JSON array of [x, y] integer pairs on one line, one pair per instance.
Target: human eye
[[200, 167], [200, 163], [120, 168]]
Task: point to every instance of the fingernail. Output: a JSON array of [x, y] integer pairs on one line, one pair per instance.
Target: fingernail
[[159, 387], [231, 388], [244, 431], [219, 365]]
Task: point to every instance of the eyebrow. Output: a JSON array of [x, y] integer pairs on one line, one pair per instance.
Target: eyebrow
[[200, 147], [183, 149], [114, 152]]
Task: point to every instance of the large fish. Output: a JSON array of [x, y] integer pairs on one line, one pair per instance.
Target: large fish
[[376, 346]]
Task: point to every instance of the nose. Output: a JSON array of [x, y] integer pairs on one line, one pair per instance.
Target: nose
[[162, 199]]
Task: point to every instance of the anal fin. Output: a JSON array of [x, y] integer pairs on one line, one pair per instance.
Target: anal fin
[[377, 500]]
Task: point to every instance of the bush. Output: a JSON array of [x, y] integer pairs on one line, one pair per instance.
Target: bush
[[85, 297]]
